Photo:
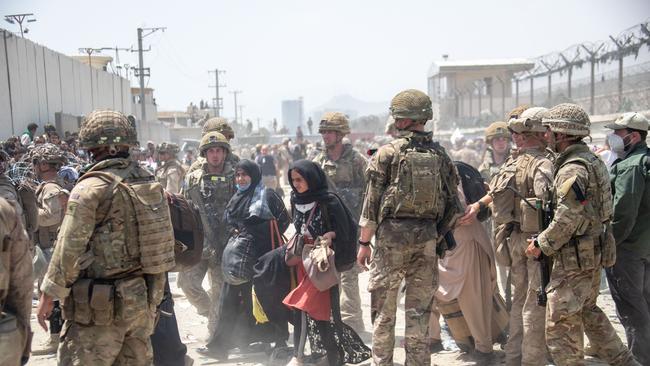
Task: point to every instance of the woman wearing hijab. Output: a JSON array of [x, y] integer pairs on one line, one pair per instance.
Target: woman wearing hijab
[[248, 214], [317, 313]]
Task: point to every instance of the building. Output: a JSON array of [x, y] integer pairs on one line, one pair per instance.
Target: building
[[468, 90], [293, 114]]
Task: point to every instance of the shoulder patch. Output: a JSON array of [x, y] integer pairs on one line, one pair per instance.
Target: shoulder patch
[[564, 189]]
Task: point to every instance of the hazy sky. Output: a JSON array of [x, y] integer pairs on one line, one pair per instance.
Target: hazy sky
[[283, 49]]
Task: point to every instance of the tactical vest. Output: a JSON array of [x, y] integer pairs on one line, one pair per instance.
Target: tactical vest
[[341, 173], [599, 192], [513, 191], [46, 235], [593, 243], [415, 185], [135, 234], [211, 193]]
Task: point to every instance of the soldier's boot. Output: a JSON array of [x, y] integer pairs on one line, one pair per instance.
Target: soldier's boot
[[48, 347]]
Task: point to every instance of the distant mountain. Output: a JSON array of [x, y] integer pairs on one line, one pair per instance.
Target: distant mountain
[[351, 106]]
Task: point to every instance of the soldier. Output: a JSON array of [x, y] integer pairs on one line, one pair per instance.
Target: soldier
[[410, 201], [19, 191], [216, 124], [524, 177], [463, 152], [582, 201], [114, 246], [170, 172], [344, 166], [51, 199], [497, 138], [210, 188], [16, 284]]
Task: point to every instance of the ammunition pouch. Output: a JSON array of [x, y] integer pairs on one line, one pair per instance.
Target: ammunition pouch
[[529, 222], [579, 254], [502, 244], [105, 302]]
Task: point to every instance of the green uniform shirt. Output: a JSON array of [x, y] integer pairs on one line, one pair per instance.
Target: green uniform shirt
[[631, 190]]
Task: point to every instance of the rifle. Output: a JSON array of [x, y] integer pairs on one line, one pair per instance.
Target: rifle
[[544, 217]]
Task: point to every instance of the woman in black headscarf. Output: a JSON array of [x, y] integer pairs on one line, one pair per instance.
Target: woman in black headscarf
[[317, 312], [249, 215]]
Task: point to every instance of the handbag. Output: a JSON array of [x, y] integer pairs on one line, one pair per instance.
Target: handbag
[[318, 260], [295, 246], [238, 260]]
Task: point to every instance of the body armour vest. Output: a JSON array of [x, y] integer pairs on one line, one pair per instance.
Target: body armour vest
[[211, 193], [415, 184], [133, 232], [513, 190]]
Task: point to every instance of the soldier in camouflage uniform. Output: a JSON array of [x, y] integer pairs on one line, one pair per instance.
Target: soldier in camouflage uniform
[[216, 124], [344, 167], [19, 191], [497, 137], [210, 188], [16, 286], [114, 246], [51, 199], [170, 172], [579, 241], [524, 177], [410, 202]]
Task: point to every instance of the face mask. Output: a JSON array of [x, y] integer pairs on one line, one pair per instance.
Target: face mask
[[616, 143], [242, 188]]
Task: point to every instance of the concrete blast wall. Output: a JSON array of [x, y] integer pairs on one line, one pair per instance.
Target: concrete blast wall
[[36, 83]]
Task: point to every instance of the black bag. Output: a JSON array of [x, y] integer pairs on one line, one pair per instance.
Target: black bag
[[473, 186], [188, 231], [238, 260]]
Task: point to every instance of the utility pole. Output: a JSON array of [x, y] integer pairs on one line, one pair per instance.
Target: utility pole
[[20, 19], [141, 70], [117, 56], [217, 101], [90, 51], [241, 113], [234, 93]]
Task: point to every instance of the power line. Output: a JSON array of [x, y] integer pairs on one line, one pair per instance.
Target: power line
[[141, 70]]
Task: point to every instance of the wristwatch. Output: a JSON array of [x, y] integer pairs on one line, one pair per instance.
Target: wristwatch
[[481, 206], [364, 243]]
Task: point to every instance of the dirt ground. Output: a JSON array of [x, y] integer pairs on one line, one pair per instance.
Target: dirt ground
[[193, 329]]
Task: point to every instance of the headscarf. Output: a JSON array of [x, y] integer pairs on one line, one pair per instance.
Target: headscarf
[[239, 204], [316, 182]]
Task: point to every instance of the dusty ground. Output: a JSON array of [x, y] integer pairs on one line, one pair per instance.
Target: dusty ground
[[193, 333]]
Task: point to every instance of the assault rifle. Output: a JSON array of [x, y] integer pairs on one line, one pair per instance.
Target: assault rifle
[[544, 217]]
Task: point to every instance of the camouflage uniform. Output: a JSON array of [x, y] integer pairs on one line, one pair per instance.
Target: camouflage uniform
[[16, 285], [216, 124], [407, 222], [114, 246], [51, 199], [583, 207], [348, 180], [211, 193], [170, 173], [529, 172]]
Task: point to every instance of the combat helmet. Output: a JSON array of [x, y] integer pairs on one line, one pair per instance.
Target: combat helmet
[[412, 104], [218, 124], [529, 120], [334, 121], [495, 130], [567, 118], [169, 148], [48, 153], [213, 139], [107, 128]]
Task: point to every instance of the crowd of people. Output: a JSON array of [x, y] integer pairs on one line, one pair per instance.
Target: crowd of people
[[505, 237]]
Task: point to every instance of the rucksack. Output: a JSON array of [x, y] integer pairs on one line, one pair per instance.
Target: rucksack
[[188, 231], [473, 185]]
